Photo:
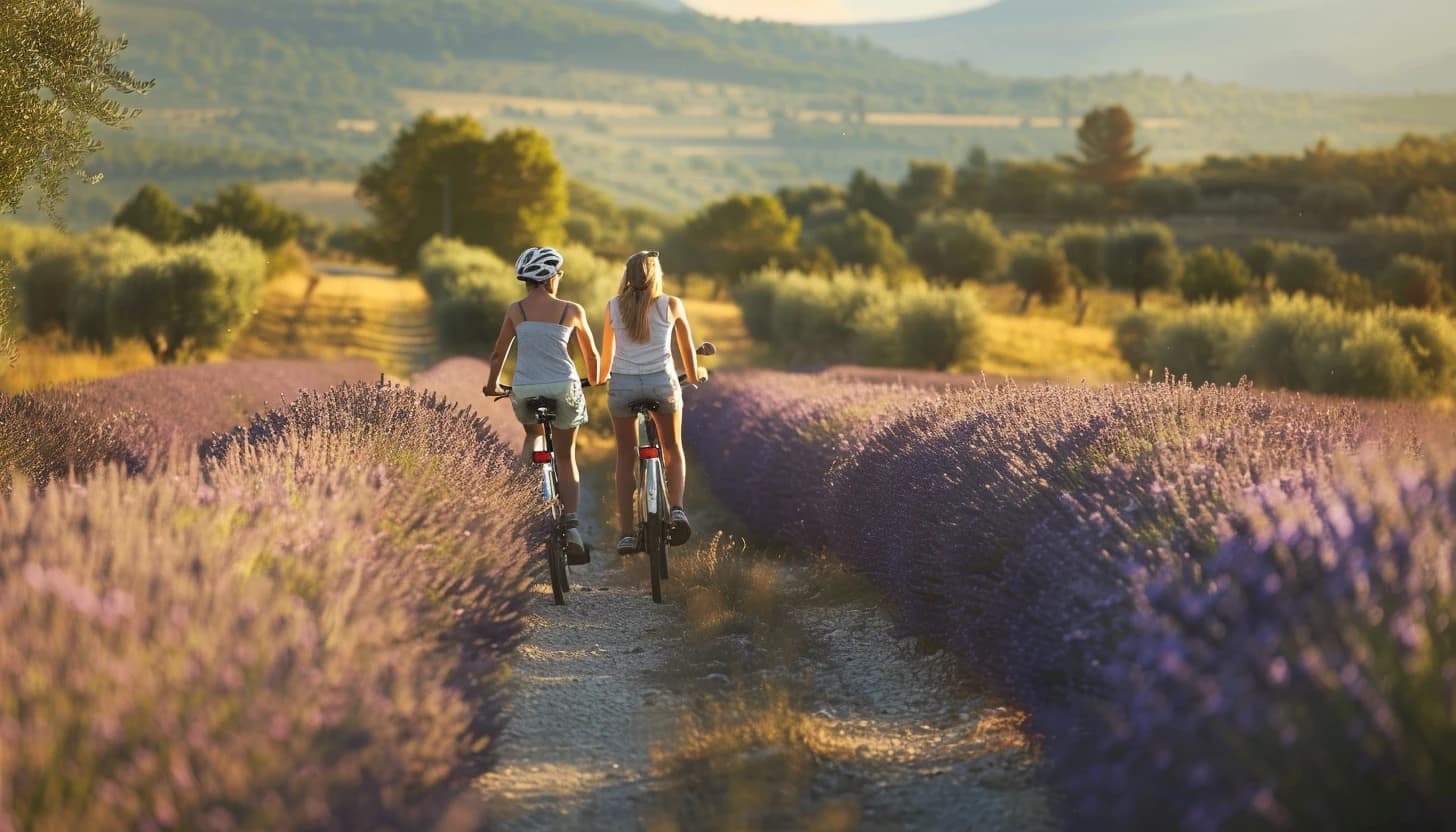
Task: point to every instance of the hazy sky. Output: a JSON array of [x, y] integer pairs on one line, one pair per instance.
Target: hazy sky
[[834, 11]]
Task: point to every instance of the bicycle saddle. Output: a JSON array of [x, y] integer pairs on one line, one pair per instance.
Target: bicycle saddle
[[642, 405], [541, 403]]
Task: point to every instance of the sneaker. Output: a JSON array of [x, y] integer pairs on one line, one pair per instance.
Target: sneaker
[[576, 552], [678, 528], [628, 545]]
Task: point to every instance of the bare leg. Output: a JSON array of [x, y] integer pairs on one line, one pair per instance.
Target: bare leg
[[669, 436], [567, 473], [626, 430]]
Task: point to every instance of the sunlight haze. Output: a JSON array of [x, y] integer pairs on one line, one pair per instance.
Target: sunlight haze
[[835, 11]]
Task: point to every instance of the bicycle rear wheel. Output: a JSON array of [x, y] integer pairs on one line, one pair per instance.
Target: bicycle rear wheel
[[656, 539], [556, 565]]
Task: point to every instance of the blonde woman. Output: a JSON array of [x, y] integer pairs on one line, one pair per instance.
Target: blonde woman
[[640, 326]]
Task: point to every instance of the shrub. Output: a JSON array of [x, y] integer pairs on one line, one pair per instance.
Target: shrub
[[1041, 271], [1077, 200], [860, 240], [1372, 243], [1141, 257], [154, 215], [241, 208], [111, 254], [1433, 205], [1260, 257], [1213, 274], [470, 289], [193, 300], [1203, 343], [939, 328], [1164, 196], [954, 248], [1412, 281], [1076, 546], [808, 319], [1336, 204], [44, 285], [1300, 343], [1132, 333], [307, 632], [1301, 269]]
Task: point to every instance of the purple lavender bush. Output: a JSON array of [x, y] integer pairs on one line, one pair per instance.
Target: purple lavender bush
[[1304, 678], [304, 630], [1034, 530]]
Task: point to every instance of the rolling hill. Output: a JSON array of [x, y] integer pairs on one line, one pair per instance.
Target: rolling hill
[[1350, 45], [650, 101]]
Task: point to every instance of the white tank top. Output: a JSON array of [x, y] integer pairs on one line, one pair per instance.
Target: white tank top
[[655, 356]]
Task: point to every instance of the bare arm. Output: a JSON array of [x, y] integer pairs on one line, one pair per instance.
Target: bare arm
[[683, 331], [588, 345], [609, 347], [498, 355]]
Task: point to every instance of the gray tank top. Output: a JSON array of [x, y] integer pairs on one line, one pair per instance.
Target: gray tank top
[[543, 354]]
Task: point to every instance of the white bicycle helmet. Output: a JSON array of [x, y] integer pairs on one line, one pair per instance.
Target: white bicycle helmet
[[538, 265]]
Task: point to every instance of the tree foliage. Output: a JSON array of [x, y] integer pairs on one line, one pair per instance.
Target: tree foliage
[[858, 239], [1107, 144], [1143, 256], [1413, 282], [1214, 274], [738, 236], [928, 187], [956, 247], [193, 300], [1041, 271], [443, 176], [1315, 271], [57, 76], [866, 193], [241, 208], [1164, 196], [1335, 204], [153, 214]]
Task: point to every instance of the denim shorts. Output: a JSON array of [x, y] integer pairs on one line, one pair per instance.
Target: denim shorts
[[626, 389], [570, 403]]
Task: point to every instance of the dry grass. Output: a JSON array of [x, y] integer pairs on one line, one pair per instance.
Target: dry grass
[[42, 362], [384, 319], [1047, 348]]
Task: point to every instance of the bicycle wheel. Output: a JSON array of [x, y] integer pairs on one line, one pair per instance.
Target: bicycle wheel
[[556, 564], [656, 539]]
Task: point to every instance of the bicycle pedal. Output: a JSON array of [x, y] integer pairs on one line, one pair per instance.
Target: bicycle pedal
[[578, 557]]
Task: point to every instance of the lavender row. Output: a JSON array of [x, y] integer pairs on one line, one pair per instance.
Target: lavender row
[[305, 630], [134, 418], [1077, 547]]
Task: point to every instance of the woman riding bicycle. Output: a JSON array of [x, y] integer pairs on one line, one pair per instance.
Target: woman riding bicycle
[[544, 324], [637, 348]]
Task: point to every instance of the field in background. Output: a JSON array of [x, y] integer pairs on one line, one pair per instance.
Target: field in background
[[46, 361], [384, 319], [329, 199]]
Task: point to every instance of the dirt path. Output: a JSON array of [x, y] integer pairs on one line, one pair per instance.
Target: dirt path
[[576, 752], [875, 734]]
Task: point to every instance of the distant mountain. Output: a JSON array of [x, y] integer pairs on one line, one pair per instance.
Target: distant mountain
[[1348, 45]]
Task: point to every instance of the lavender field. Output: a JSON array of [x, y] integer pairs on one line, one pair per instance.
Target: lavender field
[[1222, 608], [303, 626]]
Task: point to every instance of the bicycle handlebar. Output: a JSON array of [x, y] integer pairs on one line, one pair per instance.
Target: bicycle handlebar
[[704, 349]]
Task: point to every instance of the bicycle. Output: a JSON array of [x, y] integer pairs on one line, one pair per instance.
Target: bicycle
[[652, 504], [556, 562]]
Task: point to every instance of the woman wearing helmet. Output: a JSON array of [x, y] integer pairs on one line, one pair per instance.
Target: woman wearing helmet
[[637, 341], [543, 324]]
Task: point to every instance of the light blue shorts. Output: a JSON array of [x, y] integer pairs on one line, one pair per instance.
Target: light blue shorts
[[570, 403], [626, 389]]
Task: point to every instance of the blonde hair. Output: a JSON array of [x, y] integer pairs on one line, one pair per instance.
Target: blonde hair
[[641, 286]]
